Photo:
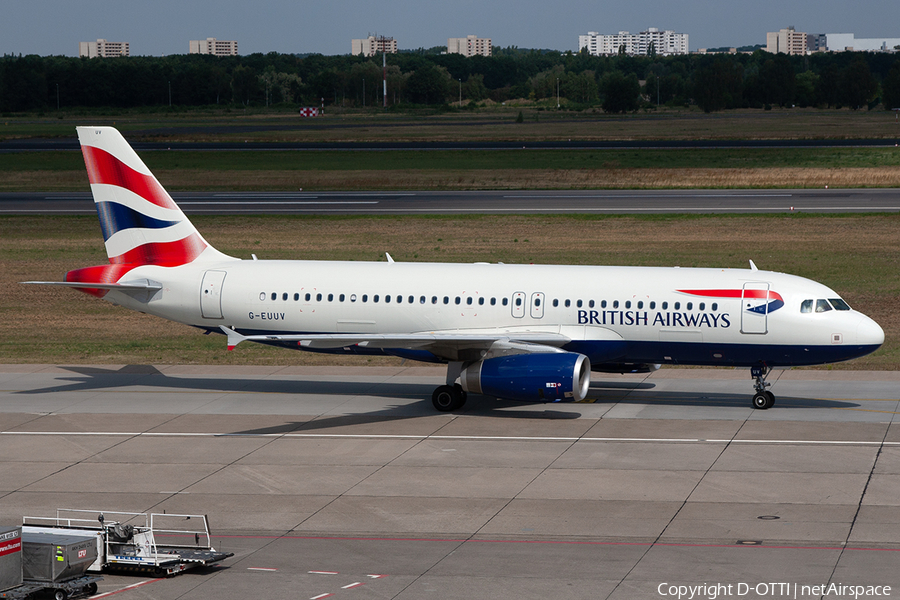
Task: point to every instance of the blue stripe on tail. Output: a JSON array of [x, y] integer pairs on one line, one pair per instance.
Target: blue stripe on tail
[[116, 217]]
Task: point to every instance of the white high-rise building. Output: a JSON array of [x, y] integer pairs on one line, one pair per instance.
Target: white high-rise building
[[103, 48], [469, 46], [214, 47], [373, 45], [662, 43], [787, 41]]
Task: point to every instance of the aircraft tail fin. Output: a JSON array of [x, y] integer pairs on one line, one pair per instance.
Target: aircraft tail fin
[[141, 223]]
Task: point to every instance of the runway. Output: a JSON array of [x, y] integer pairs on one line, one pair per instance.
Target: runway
[[487, 202], [344, 482]]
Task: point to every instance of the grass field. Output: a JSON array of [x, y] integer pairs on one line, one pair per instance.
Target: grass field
[[478, 169], [858, 256]]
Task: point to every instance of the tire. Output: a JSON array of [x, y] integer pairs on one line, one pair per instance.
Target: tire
[[448, 398], [91, 588], [60, 594], [761, 401]]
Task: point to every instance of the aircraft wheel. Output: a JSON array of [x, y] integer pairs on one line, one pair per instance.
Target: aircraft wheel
[[763, 400], [448, 398]]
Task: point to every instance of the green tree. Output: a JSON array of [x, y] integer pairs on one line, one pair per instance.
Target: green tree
[[718, 85], [890, 88], [857, 84], [428, 85], [621, 93]]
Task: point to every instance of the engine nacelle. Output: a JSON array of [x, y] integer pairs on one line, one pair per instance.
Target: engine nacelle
[[550, 377]]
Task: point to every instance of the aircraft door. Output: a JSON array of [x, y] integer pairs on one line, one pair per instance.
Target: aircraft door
[[755, 308], [211, 294], [537, 305], [518, 305]]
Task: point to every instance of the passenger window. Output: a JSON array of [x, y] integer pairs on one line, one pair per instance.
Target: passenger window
[[628, 304], [518, 302], [469, 301], [457, 300], [365, 297], [421, 299], [603, 304], [493, 301], [568, 303], [652, 305], [446, 299], [677, 305], [715, 306], [274, 296], [284, 296], [555, 302], [352, 297], [481, 301], [341, 298], [375, 298], [537, 302], [308, 297], [331, 297], [806, 306], [590, 304], [505, 302], [690, 306], [615, 304], [296, 296], [412, 299], [702, 306], [640, 304], [434, 299], [839, 304], [387, 298], [578, 304], [318, 297], [665, 305], [262, 295], [822, 306]]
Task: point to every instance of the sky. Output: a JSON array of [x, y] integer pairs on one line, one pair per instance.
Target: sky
[[161, 27]]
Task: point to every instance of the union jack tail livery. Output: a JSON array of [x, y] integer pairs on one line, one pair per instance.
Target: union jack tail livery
[[141, 223]]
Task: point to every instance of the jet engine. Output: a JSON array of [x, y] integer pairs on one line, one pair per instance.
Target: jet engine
[[543, 377]]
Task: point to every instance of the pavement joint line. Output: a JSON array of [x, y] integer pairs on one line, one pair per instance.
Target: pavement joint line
[[455, 437]]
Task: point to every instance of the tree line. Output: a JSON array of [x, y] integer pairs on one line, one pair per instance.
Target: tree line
[[616, 84]]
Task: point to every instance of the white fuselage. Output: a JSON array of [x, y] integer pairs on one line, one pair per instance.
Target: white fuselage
[[612, 314]]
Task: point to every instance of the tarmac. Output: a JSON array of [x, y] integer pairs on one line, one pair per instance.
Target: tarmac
[[346, 483]]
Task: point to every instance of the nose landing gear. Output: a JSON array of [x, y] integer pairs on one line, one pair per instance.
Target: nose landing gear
[[763, 398]]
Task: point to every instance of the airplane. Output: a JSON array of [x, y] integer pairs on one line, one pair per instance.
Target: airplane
[[528, 333]]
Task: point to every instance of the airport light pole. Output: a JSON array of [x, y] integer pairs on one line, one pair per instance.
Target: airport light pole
[[557, 92], [460, 92]]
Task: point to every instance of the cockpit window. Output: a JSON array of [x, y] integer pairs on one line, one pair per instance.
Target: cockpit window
[[839, 304], [822, 306], [806, 306]]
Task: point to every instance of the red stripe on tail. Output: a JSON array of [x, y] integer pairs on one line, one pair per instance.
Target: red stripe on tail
[[164, 254], [103, 167], [99, 274]]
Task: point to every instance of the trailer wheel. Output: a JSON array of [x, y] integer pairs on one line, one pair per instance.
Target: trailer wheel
[[60, 594], [91, 588]]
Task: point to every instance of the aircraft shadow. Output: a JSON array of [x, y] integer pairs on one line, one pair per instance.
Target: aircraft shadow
[[601, 393]]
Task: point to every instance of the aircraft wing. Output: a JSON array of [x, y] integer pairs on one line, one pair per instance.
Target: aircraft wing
[[444, 344]]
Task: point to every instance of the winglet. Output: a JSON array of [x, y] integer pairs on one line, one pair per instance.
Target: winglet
[[234, 338]]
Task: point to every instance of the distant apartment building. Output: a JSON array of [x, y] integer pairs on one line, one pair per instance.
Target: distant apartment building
[[662, 43], [103, 48], [790, 41], [214, 47], [847, 42], [787, 41], [469, 46], [373, 45]]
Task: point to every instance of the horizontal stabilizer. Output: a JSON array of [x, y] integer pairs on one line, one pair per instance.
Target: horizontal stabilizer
[[125, 286]]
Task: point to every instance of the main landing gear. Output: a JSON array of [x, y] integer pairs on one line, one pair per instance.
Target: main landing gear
[[451, 396], [763, 398], [448, 397]]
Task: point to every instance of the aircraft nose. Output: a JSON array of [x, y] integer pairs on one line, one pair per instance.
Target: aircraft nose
[[869, 333]]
